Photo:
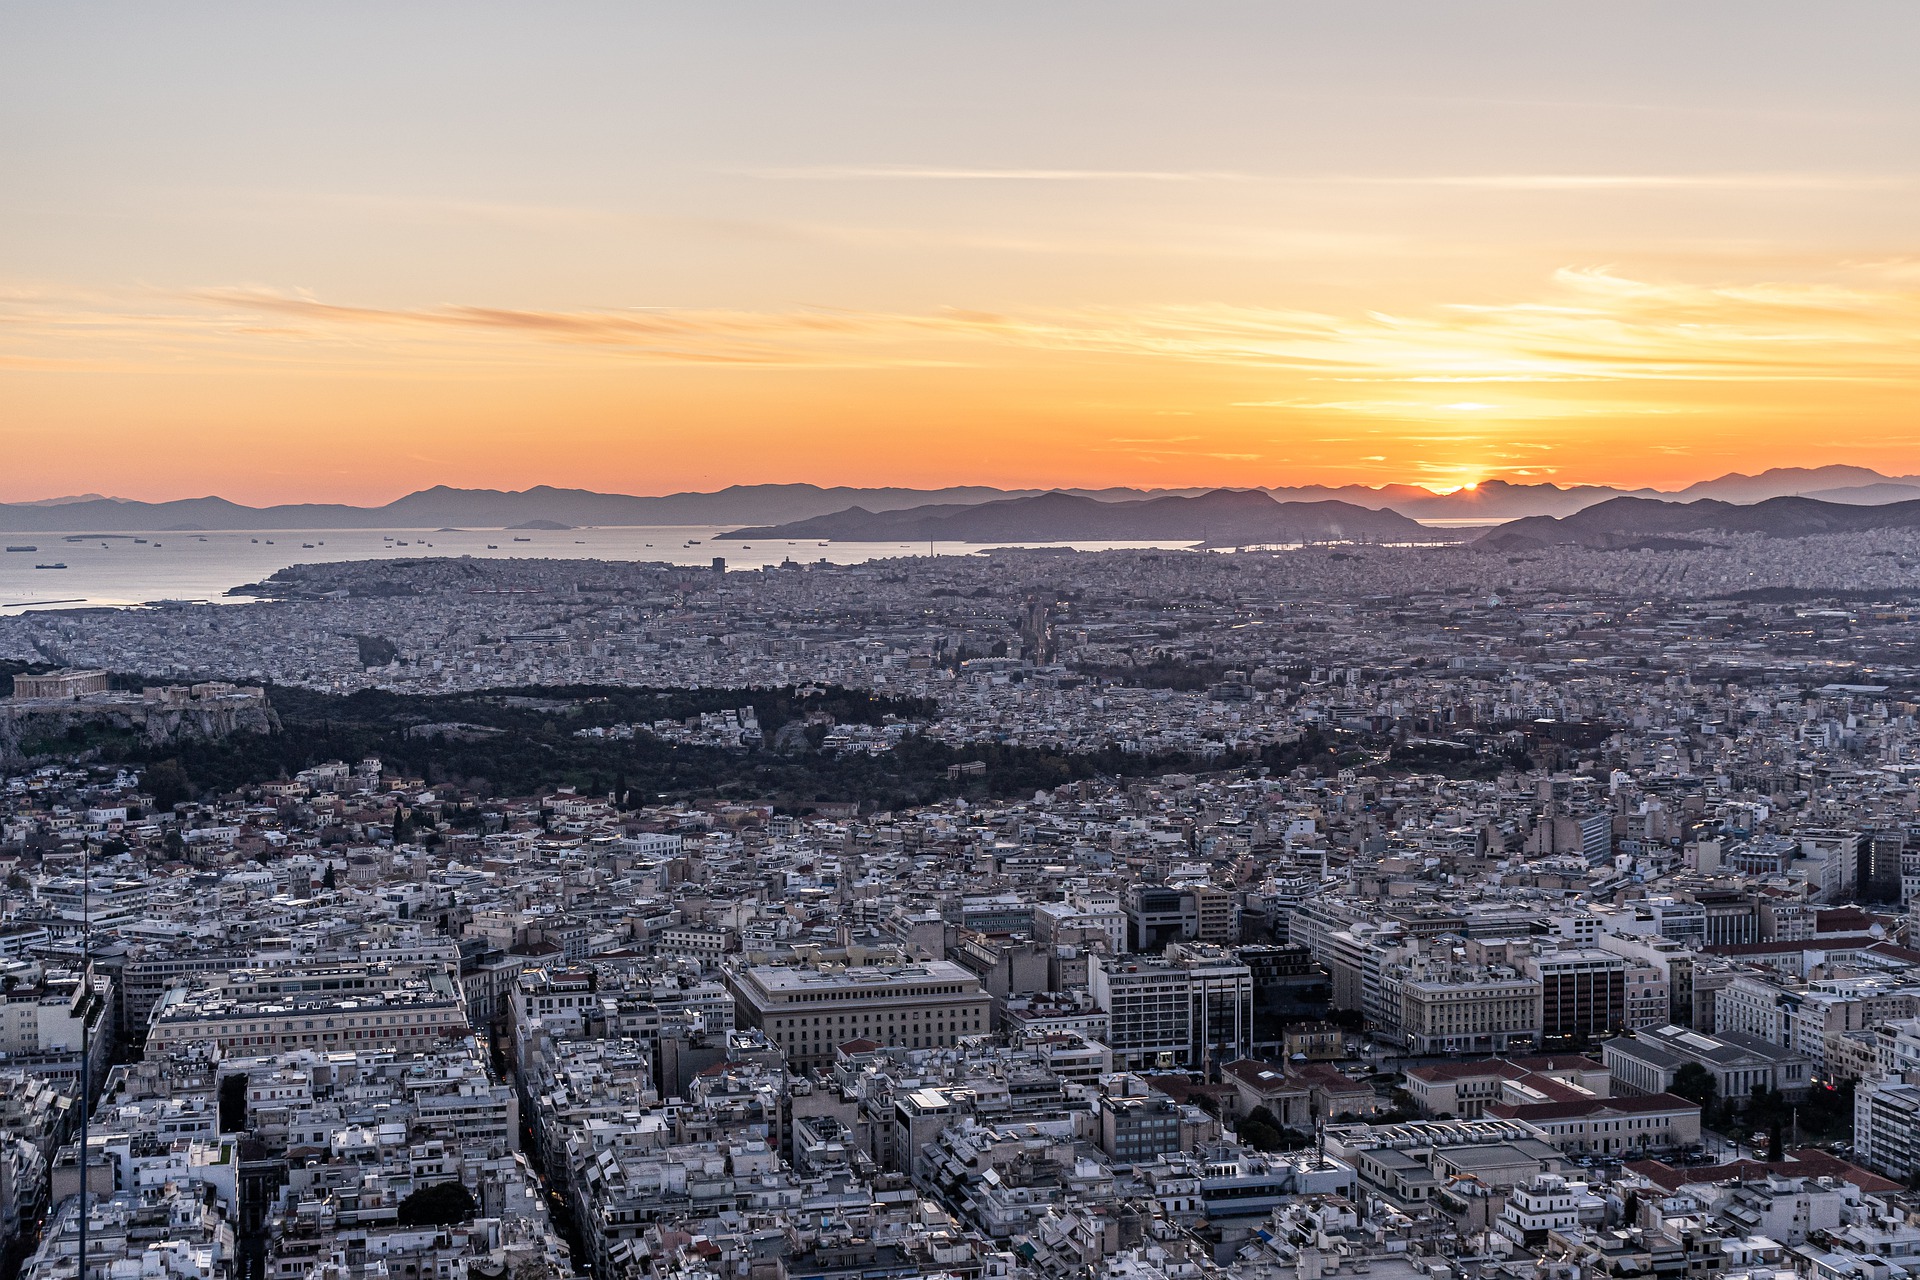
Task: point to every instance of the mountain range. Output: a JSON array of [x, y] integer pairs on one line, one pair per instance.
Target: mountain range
[[1221, 518], [1627, 522], [771, 504]]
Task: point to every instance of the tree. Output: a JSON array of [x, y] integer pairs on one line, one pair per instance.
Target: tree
[[329, 880], [1404, 1108], [402, 826], [1776, 1144], [439, 1204], [168, 784], [1696, 1084], [1261, 1137]]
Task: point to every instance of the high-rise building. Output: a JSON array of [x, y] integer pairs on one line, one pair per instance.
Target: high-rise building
[[1192, 1005], [1886, 1127], [1583, 992]]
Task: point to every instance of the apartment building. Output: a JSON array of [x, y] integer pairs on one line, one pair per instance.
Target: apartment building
[[1886, 1127], [331, 1007]]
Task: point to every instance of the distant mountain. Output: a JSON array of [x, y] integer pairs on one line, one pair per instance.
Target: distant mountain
[[1780, 482], [1869, 494], [1494, 500], [1624, 522], [773, 504], [1490, 500], [71, 498], [443, 506], [1222, 518]]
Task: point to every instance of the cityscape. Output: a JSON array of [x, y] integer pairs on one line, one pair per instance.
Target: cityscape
[[1034, 912], [1253, 640]]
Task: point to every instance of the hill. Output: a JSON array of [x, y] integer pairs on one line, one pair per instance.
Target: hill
[[1625, 522], [775, 504], [1222, 518]]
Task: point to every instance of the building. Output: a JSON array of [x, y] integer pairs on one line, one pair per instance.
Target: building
[[60, 684], [808, 1012], [48, 1017], [1583, 993], [1444, 1007], [1288, 984], [1535, 1209], [1609, 1126], [1188, 1007], [254, 1012], [1221, 988], [1886, 1127], [1739, 1063], [1464, 1090], [1084, 919], [1149, 1007], [1158, 914], [1137, 1123]]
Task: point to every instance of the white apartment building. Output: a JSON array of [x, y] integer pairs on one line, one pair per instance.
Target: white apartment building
[[1886, 1127], [1547, 1204], [1149, 1006]]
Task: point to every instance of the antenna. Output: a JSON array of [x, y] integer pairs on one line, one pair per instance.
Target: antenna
[[86, 1048]]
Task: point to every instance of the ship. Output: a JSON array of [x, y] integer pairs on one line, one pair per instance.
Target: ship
[[23, 548], [60, 565]]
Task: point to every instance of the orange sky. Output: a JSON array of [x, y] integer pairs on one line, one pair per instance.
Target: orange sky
[[339, 256]]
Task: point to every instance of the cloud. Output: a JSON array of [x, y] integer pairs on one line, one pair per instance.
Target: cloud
[[1586, 182], [1591, 340], [940, 173], [1568, 182]]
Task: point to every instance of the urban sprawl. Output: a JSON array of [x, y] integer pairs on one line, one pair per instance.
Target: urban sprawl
[[1501, 917]]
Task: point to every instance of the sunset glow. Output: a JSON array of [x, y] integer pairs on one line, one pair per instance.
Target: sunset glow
[[336, 255]]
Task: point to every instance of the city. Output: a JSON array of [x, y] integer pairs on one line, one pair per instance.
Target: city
[[1100, 640], [1556, 916]]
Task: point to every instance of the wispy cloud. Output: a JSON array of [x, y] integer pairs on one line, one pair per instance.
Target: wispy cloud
[[1579, 182], [952, 173], [1593, 340], [1568, 182]]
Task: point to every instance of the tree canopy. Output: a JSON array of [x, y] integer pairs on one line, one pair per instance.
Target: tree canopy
[[438, 1204]]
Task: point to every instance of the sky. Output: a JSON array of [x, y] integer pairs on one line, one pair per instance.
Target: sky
[[339, 252]]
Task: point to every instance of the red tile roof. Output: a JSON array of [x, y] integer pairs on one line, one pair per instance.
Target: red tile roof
[[1801, 1162], [1591, 1107]]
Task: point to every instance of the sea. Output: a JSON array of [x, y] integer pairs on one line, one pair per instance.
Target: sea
[[128, 570]]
